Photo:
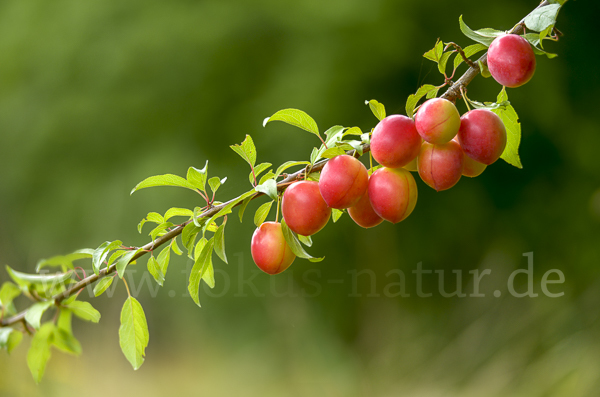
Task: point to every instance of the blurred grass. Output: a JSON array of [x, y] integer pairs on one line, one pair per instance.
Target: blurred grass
[[95, 96]]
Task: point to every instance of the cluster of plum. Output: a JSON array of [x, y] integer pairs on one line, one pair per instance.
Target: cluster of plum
[[439, 144]]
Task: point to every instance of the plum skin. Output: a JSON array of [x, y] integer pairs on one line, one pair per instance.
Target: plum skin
[[270, 251], [441, 166], [395, 141], [511, 60], [437, 120], [303, 208], [392, 193], [472, 168], [362, 213], [343, 181], [482, 135]]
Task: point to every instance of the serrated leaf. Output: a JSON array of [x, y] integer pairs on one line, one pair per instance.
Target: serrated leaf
[[436, 52], [377, 108], [266, 177], [289, 164], [333, 152], [231, 203], [84, 310], [469, 52], [155, 217], [261, 213], [197, 178], [269, 188], [163, 180], [171, 212], [334, 135], [154, 270], [66, 342], [100, 253], [413, 99], [243, 207], [542, 17], [481, 37], [355, 131], [39, 351], [433, 93], [8, 293], [295, 117], [114, 256], [64, 261], [200, 267], [124, 261], [215, 183], [163, 260], [443, 61], [306, 240], [160, 230], [133, 332], [220, 242], [188, 237], [102, 285], [294, 244], [336, 214], [510, 119], [35, 312], [175, 247], [257, 171], [246, 150]]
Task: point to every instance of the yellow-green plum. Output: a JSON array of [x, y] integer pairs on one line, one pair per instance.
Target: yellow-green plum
[[482, 135], [270, 251], [441, 166], [437, 121], [511, 60], [303, 208], [343, 181], [363, 214], [412, 166], [395, 141], [471, 168], [392, 193]]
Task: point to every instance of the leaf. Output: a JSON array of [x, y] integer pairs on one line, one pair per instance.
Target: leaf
[[8, 293], [124, 261], [436, 52], [133, 332], [220, 243], [35, 312], [163, 260], [295, 117], [481, 36], [294, 244], [246, 150], [171, 212], [39, 351], [215, 183], [200, 267], [542, 17], [114, 256], [413, 99], [334, 135], [443, 61], [306, 240], [243, 207], [64, 261], [154, 269], [163, 180], [257, 171], [25, 280], [469, 52], [261, 213], [155, 217], [100, 253], [510, 119], [175, 247], [160, 230], [84, 310], [102, 286], [377, 108], [66, 342], [197, 178], [230, 204], [269, 188], [14, 339], [336, 214], [266, 177], [188, 236], [289, 164], [333, 152]]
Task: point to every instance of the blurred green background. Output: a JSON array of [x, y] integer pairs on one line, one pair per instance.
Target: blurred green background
[[98, 95]]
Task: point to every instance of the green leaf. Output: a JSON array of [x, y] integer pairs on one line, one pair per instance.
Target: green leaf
[[84, 310], [8, 293], [294, 244], [163, 260], [154, 269], [542, 17], [35, 312], [215, 183], [124, 261], [197, 178], [469, 52], [257, 171], [155, 217], [306, 240], [333, 152], [200, 267], [133, 332], [481, 36], [510, 119], [64, 261], [160, 230], [39, 351], [100, 253], [377, 108], [336, 214], [188, 236], [243, 207], [171, 212], [66, 342], [262, 212], [9, 338], [295, 117], [534, 40], [102, 286], [443, 61], [289, 164], [436, 52], [334, 135], [230, 204], [25, 280], [175, 247], [269, 188], [413, 99], [220, 243], [114, 256], [246, 150], [163, 180]]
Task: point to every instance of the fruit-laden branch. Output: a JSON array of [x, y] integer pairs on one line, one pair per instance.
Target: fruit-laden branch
[[452, 94]]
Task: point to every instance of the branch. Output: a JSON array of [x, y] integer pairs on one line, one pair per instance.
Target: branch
[[452, 94]]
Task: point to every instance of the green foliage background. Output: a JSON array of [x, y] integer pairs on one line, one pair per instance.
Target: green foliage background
[[97, 95]]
